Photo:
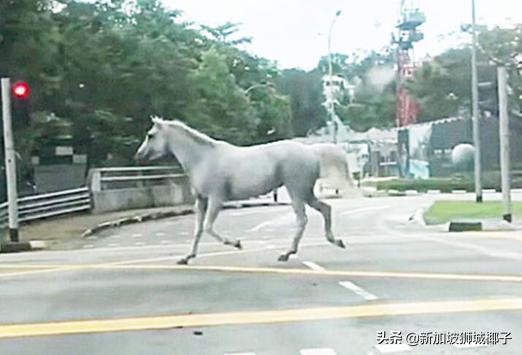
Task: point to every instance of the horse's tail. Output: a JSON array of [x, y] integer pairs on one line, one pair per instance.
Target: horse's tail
[[334, 167]]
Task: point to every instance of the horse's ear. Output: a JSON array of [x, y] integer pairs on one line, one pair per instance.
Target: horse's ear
[[155, 120]]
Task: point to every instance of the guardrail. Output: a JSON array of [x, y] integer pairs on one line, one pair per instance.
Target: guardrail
[[3, 214], [128, 177], [108, 189], [121, 188], [52, 204]]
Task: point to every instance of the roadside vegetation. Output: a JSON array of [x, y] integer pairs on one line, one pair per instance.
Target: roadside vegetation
[[445, 211]]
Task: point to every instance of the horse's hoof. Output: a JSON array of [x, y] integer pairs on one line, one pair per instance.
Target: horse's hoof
[[183, 261], [283, 257], [238, 245], [340, 243]]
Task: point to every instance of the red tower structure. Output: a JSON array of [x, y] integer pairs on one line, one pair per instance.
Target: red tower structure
[[407, 34]]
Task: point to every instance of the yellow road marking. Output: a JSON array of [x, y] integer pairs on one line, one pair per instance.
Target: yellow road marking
[[59, 268], [283, 271], [255, 317]]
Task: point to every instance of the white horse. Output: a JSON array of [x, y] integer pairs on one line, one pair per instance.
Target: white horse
[[219, 172]]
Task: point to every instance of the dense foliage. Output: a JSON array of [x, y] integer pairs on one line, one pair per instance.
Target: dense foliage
[[99, 69]]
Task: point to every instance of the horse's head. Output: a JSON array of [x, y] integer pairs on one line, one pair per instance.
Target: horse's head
[[155, 144]]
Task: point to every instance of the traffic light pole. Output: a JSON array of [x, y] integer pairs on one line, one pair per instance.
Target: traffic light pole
[[475, 108], [504, 143], [10, 161]]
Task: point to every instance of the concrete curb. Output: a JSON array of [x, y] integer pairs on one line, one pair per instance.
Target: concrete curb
[[167, 214], [465, 226], [373, 192], [135, 219]]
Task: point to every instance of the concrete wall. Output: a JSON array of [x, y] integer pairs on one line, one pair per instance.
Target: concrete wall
[[142, 197]]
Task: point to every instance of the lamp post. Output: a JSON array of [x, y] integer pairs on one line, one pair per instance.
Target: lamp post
[[331, 105], [475, 106]]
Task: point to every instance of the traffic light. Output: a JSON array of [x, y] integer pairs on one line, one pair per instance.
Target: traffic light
[[21, 110], [21, 90]]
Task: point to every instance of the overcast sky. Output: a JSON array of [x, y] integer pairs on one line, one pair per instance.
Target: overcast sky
[[293, 32]]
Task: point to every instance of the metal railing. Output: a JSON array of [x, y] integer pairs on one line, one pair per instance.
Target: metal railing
[[49, 205], [125, 177], [3, 214], [52, 204]]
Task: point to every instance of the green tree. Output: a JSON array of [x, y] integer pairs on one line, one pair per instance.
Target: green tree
[[305, 93]]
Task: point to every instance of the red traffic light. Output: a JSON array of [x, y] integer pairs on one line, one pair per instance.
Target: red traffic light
[[21, 90]]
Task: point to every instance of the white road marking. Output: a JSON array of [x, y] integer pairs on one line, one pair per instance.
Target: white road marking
[[317, 351], [112, 245], [393, 348], [313, 265], [115, 236], [358, 290], [88, 246], [260, 226], [359, 210], [281, 220], [139, 244], [92, 237], [160, 234], [164, 242], [137, 235], [239, 354]]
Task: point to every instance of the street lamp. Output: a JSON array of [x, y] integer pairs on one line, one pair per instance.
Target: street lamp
[[475, 106], [331, 105]]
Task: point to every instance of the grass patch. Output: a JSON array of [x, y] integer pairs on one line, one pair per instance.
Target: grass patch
[[490, 180], [446, 211]]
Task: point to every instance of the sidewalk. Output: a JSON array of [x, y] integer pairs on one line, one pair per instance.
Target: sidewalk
[[66, 232]]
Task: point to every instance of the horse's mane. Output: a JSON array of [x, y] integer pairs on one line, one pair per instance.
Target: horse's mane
[[189, 131]]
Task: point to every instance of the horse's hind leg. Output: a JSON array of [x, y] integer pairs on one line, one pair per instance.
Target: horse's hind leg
[[299, 209], [214, 207], [200, 208], [326, 211]]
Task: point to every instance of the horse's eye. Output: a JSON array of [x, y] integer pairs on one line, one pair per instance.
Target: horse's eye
[[150, 136]]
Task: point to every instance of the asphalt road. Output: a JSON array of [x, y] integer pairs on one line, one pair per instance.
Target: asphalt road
[[399, 288]]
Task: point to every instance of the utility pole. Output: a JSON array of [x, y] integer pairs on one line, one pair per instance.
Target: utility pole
[[475, 108], [504, 143], [331, 104], [10, 161]]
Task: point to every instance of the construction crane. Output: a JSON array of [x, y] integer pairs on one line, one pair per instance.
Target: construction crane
[[406, 35]]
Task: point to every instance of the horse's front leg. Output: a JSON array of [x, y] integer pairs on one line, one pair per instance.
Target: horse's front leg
[[214, 206], [200, 207]]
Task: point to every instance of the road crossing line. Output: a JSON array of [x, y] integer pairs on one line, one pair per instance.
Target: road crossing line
[[313, 266], [358, 290]]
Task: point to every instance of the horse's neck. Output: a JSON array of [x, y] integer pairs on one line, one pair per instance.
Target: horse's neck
[[188, 151]]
